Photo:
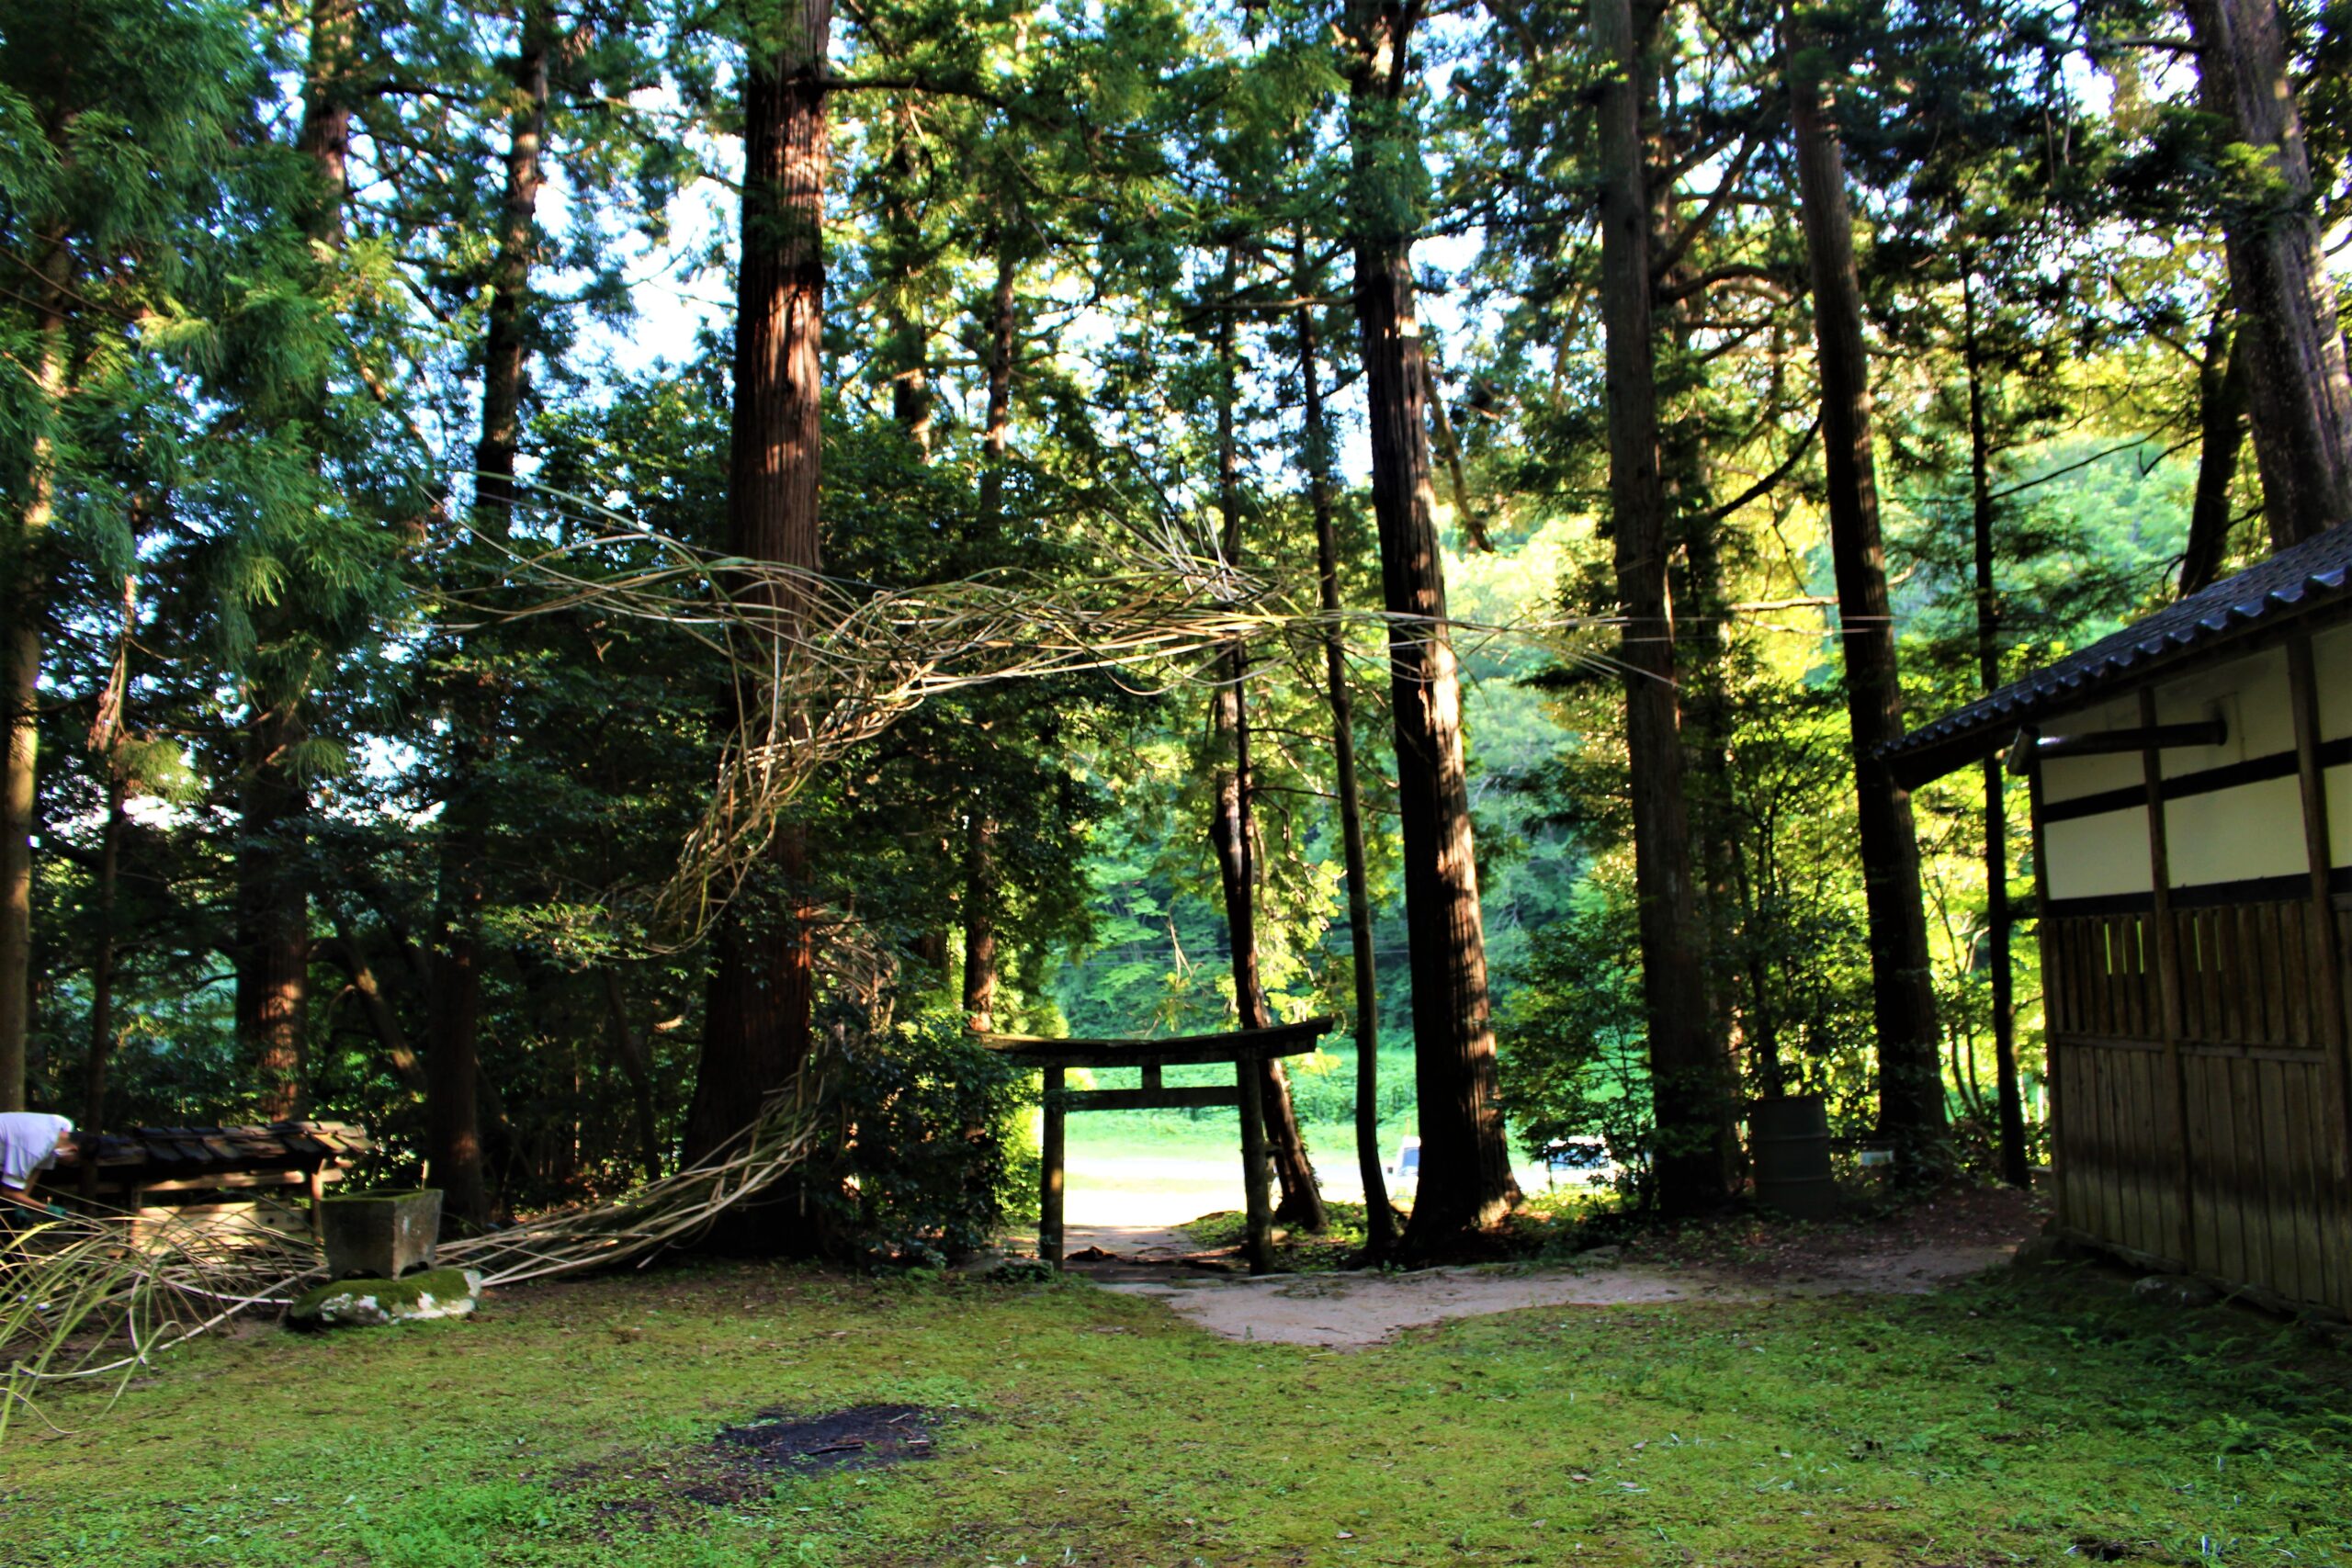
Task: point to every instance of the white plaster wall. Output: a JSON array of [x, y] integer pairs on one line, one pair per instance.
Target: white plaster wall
[[2098, 857], [2070, 778], [2233, 835], [2332, 662], [2237, 835], [2248, 695]]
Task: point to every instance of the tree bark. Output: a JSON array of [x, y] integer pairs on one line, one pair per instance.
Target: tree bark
[[907, 345], [2221, 432], [1465, 1181], [980, 916], [452, 1051], [105, 743], [1232, 836], [272, 936], [2297, 388], [1695, 1148], [24, 592], [1911, 1100], [2009, 1101], [980, 859], [102, 967], [1380, 1220], [1233, 833], [1699, 615], [273, 897], [756, 1021]]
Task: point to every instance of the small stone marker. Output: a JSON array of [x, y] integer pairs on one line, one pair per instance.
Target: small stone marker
[[436, 1292], [380, 1235]]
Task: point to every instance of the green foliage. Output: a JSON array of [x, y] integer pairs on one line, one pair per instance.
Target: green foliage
[[936, 1141], [1576, 1060]]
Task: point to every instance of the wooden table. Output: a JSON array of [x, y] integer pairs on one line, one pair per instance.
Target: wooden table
[[1245, 1048]]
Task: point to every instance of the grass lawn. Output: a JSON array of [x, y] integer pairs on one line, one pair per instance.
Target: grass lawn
[[2043, 1417]]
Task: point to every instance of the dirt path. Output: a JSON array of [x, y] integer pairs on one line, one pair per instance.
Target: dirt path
[[1929, 1247], [1355, 1310]]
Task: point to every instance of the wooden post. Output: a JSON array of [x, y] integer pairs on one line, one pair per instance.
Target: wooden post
[[314, 1180], [2329, 1029], [2053, 969], [2168, 999], [1259, 1205], [1049, 1205]]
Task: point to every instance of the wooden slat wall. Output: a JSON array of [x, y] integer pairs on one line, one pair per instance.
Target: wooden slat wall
[[2268, 1202]]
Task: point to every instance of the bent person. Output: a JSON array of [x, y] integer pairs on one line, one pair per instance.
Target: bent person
[[29, 1144]]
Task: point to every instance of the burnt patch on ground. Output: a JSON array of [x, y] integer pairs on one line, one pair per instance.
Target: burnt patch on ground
[[746, 1462]]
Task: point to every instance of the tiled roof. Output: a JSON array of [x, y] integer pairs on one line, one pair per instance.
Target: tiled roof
[[2314, 576], [148, 1154]]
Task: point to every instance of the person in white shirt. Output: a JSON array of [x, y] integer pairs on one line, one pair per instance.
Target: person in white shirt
[[30, 1142]]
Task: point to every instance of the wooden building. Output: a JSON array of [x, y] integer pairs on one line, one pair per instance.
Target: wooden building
[[226, 1179], [2191, 788]]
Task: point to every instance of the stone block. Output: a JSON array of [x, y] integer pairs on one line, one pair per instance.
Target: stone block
[[380, 1235]]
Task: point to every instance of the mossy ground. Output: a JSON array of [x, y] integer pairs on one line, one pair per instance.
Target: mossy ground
[[443, 1285], [2042, 1417]]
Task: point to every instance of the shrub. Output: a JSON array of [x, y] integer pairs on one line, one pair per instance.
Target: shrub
[[934, 1141]]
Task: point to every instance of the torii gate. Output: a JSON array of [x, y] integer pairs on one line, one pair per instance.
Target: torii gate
[[1244, 1048]]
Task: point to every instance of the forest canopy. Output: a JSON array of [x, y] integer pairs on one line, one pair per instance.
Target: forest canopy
[[564, 560]]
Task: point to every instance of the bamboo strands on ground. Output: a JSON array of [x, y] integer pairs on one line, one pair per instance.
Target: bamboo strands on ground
[[663, 1214], [93, 1298]]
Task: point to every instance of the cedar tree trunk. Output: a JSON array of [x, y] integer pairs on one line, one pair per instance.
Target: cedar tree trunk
[[1465, 1180], [453, 1054], [1233, 832], [23, 593], [2011, 1101], [980, 857], [1693, 1159], [1379, 1220], [756, 1022], [1911, 1099], [273, 898]]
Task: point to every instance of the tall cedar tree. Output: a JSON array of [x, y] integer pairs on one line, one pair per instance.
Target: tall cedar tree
[[271, 955], [1695, 1140], [453, 1118], [980, 891], [2295, 381], [1911, 1100], [1465, 1179], [756, 1024], [1380, 1220], [2010, 1101], [112, 271], [1233, 833], [2220, 435], [49, 286]]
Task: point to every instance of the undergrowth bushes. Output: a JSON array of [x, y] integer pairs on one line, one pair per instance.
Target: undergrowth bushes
[[934, 1138]]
